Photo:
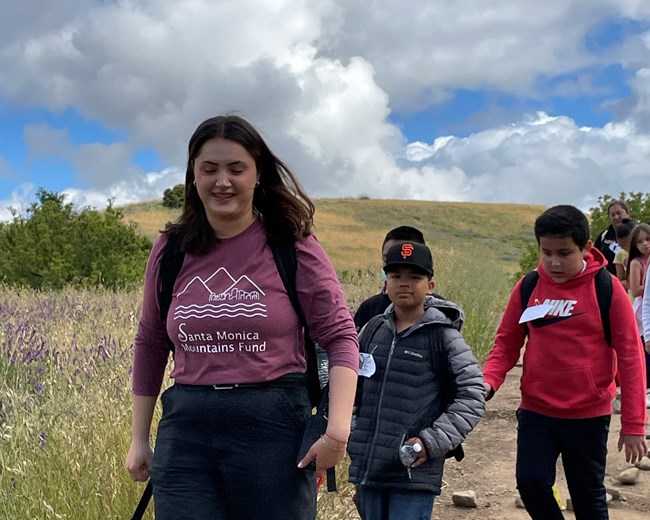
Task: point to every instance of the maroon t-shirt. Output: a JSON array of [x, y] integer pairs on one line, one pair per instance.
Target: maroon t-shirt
[[231, 319]]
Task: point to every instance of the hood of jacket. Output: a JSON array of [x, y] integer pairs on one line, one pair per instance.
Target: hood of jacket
[[437, 311], [595, 261]]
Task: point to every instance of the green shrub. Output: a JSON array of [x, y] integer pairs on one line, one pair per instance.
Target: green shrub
[[53, 246], [174, 197], [528, 261]]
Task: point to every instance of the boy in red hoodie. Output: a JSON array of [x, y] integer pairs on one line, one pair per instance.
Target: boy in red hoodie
[[567, 383]]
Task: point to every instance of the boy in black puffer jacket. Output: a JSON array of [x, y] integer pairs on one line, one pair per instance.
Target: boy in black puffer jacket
[[422, 386]]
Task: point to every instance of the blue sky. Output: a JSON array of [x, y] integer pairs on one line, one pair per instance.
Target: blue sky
[[466, 112]]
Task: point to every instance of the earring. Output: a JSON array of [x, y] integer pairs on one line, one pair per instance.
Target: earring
[[194, 182], [257, 184]]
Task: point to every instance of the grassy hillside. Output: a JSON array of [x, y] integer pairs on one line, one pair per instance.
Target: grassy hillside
[[66, 356], [352, 230]]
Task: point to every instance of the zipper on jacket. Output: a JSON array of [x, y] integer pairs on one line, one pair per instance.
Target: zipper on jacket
[[378, 414]]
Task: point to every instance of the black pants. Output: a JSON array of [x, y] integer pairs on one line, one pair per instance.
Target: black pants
[[582, 443], [232, 455]]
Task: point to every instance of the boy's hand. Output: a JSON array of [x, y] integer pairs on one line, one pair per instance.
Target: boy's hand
[[647, 347], [635, 447], [422, 456], [489, 391]]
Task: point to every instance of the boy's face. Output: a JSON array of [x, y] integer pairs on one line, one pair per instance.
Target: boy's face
[[407, 288], [562, 258]]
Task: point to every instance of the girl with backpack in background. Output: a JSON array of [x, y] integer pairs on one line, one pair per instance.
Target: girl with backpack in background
[[232, 423]]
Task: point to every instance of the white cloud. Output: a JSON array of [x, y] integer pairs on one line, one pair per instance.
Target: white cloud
[[145, 187], [146, 59], [424, 49], [320, 79], [544, 160], [18, 203]]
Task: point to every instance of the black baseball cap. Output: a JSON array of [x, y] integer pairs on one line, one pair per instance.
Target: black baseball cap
[[409, 254]]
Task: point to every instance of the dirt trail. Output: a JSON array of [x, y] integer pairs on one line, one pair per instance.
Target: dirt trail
[[489, 468]]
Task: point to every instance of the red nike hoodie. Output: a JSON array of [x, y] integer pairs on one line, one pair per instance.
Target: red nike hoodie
[[568, 366]]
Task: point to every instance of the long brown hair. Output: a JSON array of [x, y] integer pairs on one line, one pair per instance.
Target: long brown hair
[[286, 210], [634, 250]]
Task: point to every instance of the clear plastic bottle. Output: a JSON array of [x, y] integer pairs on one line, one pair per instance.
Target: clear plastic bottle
[[409, 454]]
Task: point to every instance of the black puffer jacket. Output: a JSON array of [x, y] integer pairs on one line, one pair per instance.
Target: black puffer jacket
[[427, 384]]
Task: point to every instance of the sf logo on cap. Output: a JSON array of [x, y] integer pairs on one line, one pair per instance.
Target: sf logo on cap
[[407, 250]]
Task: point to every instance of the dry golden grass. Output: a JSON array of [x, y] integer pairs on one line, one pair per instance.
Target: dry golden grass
[[348, 242], [149, 217], [352, 230]]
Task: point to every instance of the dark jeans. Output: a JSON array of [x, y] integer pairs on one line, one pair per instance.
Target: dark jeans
[[582, 443], [386, 504], [232, 455]]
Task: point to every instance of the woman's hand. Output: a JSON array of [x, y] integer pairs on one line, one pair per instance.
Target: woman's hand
[[138, 460], [327, 452]]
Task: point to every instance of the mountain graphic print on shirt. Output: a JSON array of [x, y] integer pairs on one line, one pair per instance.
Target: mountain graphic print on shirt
[[241, 297]]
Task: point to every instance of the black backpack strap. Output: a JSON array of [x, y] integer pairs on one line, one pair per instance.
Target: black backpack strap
[[171, 262], [144, 502], [526, 290], [286, 262], [527, 287], [604, 290]]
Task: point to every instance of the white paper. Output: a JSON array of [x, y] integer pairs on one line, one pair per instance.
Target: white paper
[[614, 247], [367, 365], [535, 312]]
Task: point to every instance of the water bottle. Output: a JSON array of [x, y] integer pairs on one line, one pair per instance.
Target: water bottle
[[409, 454]]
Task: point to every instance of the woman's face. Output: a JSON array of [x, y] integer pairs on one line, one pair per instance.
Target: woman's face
[[225, 175], [616, 214]]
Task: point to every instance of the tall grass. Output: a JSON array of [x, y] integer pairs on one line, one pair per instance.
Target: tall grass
[[65, 363], [64, 394]]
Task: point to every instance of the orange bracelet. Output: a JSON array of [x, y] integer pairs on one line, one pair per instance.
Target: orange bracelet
[[334, 448], [344, 443]]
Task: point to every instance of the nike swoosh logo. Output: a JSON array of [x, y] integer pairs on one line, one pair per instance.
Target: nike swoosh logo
[[538, 324]]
